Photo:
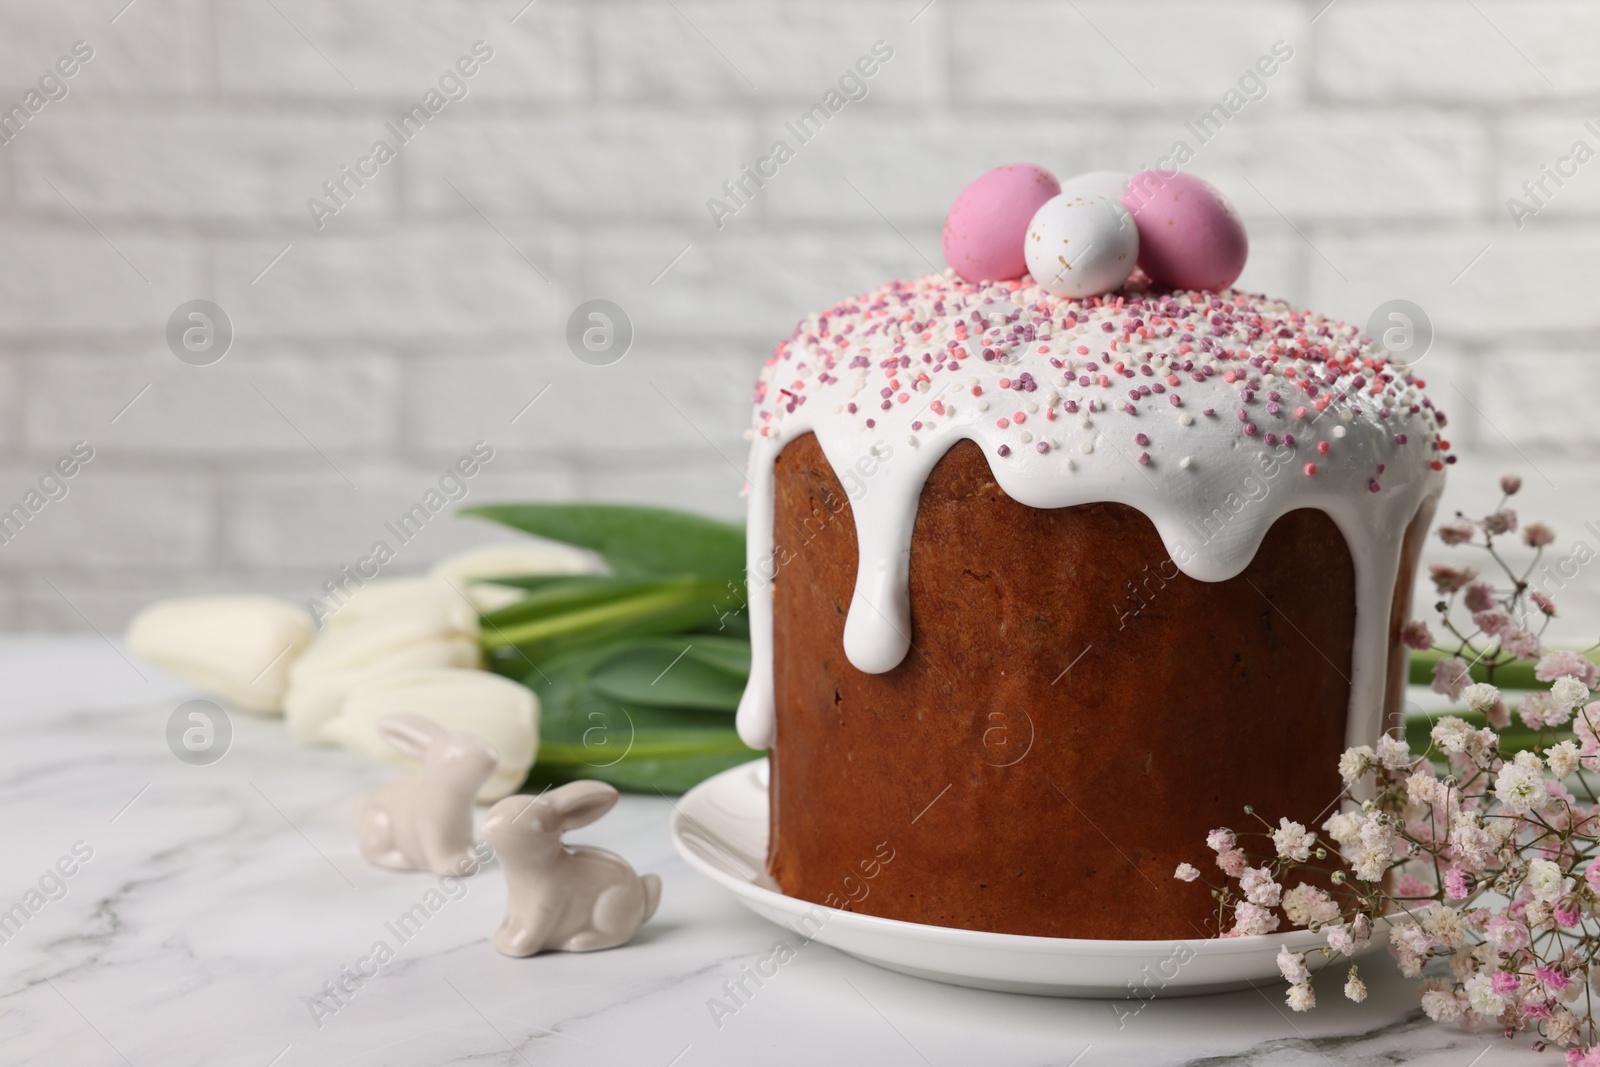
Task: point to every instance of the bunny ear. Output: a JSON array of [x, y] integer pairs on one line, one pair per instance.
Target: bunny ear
[[409, 734], [581, 803]]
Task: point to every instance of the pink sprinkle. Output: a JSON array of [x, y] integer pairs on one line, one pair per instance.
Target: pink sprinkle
[[977, 390], [1144, 458], [1140, 439], [1003, 423], [1044, 446], [1005, 383], [1311, 469], [1300, 412], [1323, 448], [1019, 418], [1373, 486]]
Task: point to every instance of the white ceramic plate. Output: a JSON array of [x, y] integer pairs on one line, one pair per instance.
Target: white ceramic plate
[[720, 828]]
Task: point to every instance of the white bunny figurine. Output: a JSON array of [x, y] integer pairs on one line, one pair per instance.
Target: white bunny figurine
[[424, 822], [558, 896]]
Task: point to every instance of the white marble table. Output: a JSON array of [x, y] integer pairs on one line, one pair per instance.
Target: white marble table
[[220, 899]]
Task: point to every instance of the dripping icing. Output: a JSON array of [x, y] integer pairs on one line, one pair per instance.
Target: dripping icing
[[1200, 410]]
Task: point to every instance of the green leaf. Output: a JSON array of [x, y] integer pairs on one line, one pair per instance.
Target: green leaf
[[635, 541], [568, 593], [664, 678], [657, 608]]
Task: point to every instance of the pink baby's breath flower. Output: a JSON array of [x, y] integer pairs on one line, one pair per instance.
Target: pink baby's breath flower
[[1544, 603], [1504, 984], [1592, 875], [1221, 840], [1450, 677], [1457, 882], [1417, 635], [1566, 663], [1448, 579], [1259, 887], [1479, 597], [1491, 621], [1456, 533], [1250, 919], [1186, 872], [1537, 535], [1232, 862], [1409, 885], [1510, 483], [1501, 522], [1521, 643], [1568, 912]]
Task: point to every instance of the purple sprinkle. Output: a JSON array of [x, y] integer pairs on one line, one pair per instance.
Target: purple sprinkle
[[885, 405], [1130, 409], [1399, 438], [1175, 400], [1140, 439], [1005, 450], [871, 423], [1249, 429], [851, 408], [1144, 458], [1272, 438], [1209, 411], [1288, 439], [1373, 486], [916, 425], [1044, 446]]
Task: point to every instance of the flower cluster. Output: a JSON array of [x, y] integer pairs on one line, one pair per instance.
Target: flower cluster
[[1478, 858]]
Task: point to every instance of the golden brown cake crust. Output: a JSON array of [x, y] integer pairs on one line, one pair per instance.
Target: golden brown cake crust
[[1074, 716]]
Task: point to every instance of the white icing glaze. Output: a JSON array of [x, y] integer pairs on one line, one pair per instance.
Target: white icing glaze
[[1211, 483]]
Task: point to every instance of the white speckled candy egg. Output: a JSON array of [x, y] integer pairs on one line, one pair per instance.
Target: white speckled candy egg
[[1081, 245]]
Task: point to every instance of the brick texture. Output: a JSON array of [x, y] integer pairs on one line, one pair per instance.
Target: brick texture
[[421, 309]]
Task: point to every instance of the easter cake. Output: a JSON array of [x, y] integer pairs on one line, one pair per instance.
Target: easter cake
[[1051, 573]]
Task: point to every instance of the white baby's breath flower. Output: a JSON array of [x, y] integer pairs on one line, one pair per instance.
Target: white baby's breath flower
[[1393, 753], [1562, 758], [1545, 881], [1293, 841], [1186, 872], [1422, 788], [1446, 925], [1481, 995], [1259, 888], [1301, 997], [1451, 734], [1354, 987], [1292, 966], [1442, 1006], [1519, 787], [1568, 692], [1481, 696], [1344, 827], [1306, 904], [1355, 763]]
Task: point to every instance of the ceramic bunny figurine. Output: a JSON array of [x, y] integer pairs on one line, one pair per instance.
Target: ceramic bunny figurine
[[558, 896], [425, 822]]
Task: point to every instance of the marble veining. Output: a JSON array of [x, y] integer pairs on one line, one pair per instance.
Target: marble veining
[[220, 899]]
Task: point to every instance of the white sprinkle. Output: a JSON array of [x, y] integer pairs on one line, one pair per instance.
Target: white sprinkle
[[1026, 437], [983, 405], [1338, 431], [1186, 462], [911, 439], [1186, 419], [1086, 448], [1030, 407]]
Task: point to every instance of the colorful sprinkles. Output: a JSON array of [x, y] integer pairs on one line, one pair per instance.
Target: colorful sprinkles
[[935, 343]]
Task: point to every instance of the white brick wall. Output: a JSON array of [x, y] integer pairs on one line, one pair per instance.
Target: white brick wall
[[425, 315]]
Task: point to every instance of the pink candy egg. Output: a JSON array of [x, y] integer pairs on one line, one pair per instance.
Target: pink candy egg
[[1190, 237], [984, 231]]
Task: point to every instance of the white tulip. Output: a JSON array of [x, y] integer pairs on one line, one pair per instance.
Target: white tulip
[[433, 600], [238, 648], [350, 654], [466, 570], [496, 709]]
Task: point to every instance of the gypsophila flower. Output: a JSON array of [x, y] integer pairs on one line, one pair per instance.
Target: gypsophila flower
[[1253, 919], [1479, 596], [1568, 692], [1503, 521], [1482, 858], [1537, 535], [1307, 905], [1221, 840], [1417, 635], [1355, 763], [1393, 753], [1186, 872], [1510, 483], [1481, 696], [1259, 888], [1562, 758], [1292, 966], [1293, 841], [1565, 663], [1519, 786], [1450, 677], [1545, 881]]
